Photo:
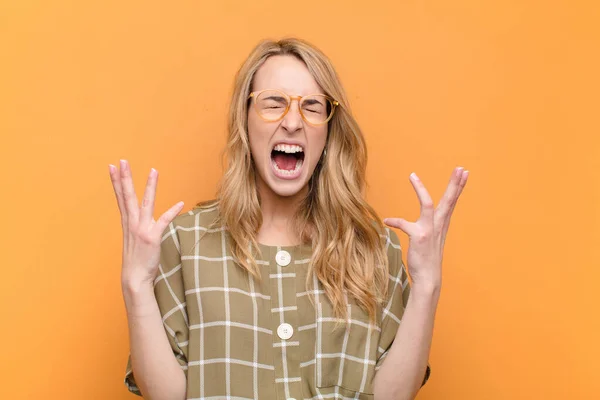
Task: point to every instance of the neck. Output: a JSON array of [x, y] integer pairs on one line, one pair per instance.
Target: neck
[[277, 215]]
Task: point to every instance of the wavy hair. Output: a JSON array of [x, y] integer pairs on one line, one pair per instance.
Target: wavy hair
[[345, 233]]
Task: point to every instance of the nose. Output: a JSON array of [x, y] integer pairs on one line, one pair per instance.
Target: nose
[[292, 121]]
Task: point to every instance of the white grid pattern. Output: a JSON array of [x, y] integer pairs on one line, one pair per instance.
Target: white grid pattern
[[220, 398], [227, 317], [344, 345], [342, 356], [230, 323], [352, 371], [200, 316], [255, 328], [231, 361], [163, 276], [366, 361], [222, 289]]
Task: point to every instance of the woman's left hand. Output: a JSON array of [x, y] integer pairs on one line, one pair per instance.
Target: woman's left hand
[[428, 234]]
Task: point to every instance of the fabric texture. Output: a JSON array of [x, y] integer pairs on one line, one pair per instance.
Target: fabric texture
[[228, 331]]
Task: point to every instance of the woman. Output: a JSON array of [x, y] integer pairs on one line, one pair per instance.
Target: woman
[[287, 286]]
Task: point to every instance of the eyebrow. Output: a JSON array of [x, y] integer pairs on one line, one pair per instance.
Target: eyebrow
[[312, 101], [277, 98]]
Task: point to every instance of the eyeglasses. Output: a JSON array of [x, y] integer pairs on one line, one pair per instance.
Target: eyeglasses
[[272, 105]]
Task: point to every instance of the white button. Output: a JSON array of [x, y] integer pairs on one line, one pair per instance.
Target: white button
[[283, 258], [285, 331]]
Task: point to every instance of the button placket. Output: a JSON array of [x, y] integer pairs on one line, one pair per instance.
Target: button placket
[[284, 284], [284, 330]]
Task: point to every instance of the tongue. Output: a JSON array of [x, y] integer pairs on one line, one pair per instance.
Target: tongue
[[285, 161]]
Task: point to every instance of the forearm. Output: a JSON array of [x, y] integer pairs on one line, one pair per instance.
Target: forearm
[[402, 372], [157, 372]]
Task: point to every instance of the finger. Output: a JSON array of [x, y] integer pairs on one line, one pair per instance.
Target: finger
[[461, 185], [116, 182], [131, 201], [147, 210], [168, 216], [450, 195], [402, 224], [424, 197]]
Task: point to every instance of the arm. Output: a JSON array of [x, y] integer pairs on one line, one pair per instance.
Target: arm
[[157, 372], [156, 358], [401, 374]]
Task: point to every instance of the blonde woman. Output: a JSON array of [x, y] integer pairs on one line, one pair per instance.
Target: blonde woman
[[288, 285]]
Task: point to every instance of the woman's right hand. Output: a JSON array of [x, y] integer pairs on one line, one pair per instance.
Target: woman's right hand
[[142, 235]]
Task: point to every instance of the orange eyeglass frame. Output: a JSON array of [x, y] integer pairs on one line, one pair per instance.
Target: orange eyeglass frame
[[334, 103]]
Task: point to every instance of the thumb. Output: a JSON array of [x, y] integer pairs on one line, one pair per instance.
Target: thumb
[[168, 216], [399, 223]]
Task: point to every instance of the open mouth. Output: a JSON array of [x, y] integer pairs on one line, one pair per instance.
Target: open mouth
[[287, 159]]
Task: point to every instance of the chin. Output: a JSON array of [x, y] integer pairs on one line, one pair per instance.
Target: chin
[[286, 188]]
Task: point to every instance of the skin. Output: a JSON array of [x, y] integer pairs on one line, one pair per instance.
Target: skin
[[156, 370], [428, 234], [280, 197], [402, 372]]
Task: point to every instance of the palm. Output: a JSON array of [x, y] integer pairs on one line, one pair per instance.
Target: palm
[[428, 234], [142, 235]]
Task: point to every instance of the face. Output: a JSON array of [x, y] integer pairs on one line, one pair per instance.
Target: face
[[285, 152]]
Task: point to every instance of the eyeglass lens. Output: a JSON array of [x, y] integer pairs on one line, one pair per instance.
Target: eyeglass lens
[[271, 105]]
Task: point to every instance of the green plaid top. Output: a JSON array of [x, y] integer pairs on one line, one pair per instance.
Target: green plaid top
[[236, 337]]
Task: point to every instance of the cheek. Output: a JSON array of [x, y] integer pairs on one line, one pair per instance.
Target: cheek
[[320, 138]]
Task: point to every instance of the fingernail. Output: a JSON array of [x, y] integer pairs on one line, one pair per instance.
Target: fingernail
[[152, 172], [123, 164], [414, 176], [111, 168]]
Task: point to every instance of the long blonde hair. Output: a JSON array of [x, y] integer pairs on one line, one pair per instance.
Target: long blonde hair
[[349, 257]]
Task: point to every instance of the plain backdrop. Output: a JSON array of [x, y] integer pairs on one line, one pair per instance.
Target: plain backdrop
[[508, 89]]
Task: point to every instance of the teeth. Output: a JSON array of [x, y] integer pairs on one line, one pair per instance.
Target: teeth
[[286, 172], [288, 148]]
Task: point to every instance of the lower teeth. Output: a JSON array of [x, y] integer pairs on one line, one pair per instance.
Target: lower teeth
[[288, 172]]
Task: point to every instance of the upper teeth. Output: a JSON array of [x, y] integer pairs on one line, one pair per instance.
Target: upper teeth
[[288, 148]]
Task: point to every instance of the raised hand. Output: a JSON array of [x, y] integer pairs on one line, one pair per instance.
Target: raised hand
[[141, 234], [428, 234]]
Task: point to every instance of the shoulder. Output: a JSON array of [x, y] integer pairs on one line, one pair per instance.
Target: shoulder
[[390, 244], [203, 215], [188, 228], [391, 239], [387, 235]]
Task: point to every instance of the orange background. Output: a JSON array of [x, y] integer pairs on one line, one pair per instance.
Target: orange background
[[508, 89]]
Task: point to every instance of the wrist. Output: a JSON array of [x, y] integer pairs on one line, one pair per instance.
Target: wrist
[[427, 286], [136, 277], [139, 297], [425, 295]]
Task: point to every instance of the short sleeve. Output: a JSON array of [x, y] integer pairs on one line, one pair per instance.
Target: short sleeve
[[398, 293], [170, 296]]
